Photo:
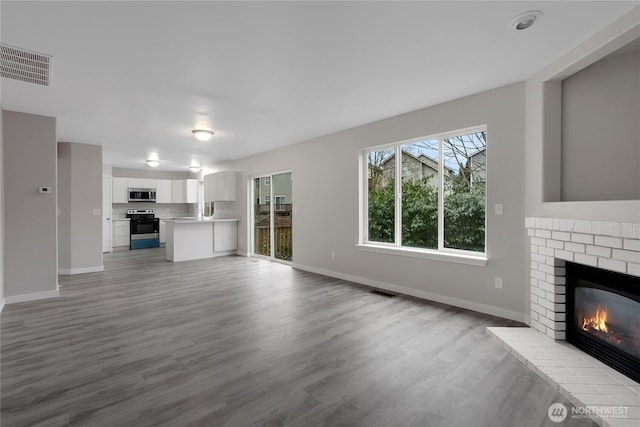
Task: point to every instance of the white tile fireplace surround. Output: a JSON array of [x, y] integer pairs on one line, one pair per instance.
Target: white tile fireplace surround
[[608, 245], [585, 381]]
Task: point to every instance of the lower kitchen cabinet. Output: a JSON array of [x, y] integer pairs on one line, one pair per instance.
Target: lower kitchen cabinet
[[163, 231], [121, 232], [197, 239], [225, 236]]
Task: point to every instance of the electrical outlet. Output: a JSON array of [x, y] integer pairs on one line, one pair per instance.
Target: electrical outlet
[[333, 255], [498, 282], [96, 211], [499, 209]]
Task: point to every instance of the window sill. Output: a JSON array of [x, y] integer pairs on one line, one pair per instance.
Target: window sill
[[478, 260]]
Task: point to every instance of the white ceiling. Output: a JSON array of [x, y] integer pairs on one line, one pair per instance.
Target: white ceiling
[[136, 77]]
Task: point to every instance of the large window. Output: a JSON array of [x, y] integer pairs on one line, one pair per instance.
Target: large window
[[428, 193]]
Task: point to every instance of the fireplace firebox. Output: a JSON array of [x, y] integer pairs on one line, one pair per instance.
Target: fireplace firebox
[[603, 316]]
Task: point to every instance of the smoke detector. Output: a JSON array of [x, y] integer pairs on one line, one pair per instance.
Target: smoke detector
[[24, 65], [526, 20]]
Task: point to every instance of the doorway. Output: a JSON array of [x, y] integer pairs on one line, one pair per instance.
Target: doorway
[[273, 222]]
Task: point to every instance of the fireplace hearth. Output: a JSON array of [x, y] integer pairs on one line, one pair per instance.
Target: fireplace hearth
[[603, 316]]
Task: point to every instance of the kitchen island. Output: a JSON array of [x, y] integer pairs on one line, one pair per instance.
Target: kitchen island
[[201, 238]]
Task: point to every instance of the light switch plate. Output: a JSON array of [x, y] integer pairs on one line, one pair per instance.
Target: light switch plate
[[96, 211]]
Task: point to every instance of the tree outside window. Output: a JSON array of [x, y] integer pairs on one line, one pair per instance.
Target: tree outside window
[[439, 176]]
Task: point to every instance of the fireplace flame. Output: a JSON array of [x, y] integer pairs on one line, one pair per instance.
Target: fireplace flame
[[598, 321]]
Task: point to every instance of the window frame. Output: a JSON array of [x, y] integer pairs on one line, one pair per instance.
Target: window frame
[[395, 247], [279, 207]]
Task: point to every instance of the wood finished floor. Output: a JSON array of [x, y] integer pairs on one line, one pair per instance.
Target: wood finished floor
[[242, 342]]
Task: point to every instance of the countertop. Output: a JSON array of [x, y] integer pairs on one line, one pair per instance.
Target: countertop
[[196, 220]]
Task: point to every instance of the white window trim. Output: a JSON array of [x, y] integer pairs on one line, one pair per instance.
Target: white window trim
[[458, 258], [395, 248]]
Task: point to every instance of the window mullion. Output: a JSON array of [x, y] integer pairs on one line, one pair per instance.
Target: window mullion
[[272, 223], [440, 195], [398, 195]]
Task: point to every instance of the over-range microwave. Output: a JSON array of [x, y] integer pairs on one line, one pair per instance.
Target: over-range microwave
[[142, 194]]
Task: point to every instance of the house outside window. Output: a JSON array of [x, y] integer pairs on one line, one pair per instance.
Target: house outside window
[[428, 194]]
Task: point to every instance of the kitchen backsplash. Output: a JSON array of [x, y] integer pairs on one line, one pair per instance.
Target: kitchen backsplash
[[164, 210]]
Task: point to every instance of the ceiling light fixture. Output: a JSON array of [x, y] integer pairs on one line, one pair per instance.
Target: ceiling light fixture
[[153, 163], [194, 168], [526, 20], [202, 134]]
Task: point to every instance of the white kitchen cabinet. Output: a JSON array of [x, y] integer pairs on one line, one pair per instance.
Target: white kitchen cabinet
[[184, 191], [197, 239], [191, 191], [164, 191], [121, 234], [208, 187], [225, 236], [178, 193], [163, 231], [120, 190], [142, 183], [220, 186]]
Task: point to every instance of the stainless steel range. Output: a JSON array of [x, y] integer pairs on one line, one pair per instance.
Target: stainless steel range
[[144, 229]]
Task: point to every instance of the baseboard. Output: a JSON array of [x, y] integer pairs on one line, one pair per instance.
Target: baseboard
[[70, 271], [242, 253], [431, 296], [527, 320], [223, 253], [31, 297], [1, 305]]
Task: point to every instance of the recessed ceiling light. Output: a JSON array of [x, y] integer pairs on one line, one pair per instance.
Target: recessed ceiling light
[[526, 20], [202, 134], [153, 163]]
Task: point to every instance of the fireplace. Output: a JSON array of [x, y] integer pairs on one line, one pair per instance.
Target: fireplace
[[603, 316]]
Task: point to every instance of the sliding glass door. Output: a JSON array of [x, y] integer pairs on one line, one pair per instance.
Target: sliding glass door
[[273, 216]]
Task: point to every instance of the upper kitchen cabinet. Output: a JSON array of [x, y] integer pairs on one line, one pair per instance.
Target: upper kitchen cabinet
[[120, 190], [184, 191], [178, 191], [220, 186], [192, 191], [164, 193], [142, 183]]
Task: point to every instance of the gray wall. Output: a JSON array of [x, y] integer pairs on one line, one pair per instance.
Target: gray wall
[[30, 217], [79, 193], [543, 130], [64, 206], [325, 192], [1, 210], [601, 130]]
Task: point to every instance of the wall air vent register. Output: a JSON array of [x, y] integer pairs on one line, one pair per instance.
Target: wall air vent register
[[23, 65]]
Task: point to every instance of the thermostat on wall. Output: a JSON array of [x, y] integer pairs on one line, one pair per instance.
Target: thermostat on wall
[[44, 190]]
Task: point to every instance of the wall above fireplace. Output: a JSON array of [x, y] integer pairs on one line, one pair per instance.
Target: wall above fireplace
[[547, 162]]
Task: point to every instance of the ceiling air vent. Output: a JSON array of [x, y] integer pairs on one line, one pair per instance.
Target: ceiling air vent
[[23, 65]]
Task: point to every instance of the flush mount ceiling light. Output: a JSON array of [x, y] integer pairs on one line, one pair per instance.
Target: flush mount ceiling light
[[194, 168], [202, 134], [153, 163], [526, 20]]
